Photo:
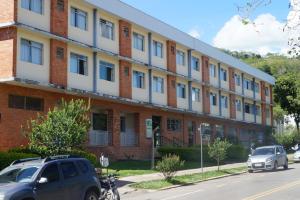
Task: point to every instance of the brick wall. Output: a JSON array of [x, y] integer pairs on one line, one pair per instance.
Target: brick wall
[[8, 9], [231, 79], [206, 99], [59, 18], [58, 63], [263, 114], [205, 69], [262, 91], [171, 56], [171, 91], [8, 48], [125, 38], [232, 106], [125, 75]]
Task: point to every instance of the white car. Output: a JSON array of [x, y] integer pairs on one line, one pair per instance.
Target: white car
[[297, 156]]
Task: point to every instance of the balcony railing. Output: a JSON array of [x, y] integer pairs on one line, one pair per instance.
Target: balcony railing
[[129, 139], [100, 138]]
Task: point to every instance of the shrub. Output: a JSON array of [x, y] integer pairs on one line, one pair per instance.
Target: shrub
[[186, 153], [169, 165], [218, 150], [237, 152], [287, 139], [6, 158]]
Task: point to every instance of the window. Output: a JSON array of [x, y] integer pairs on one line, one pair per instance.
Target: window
[[107, 71], [256, 87], [99, 121], [31, 52], [195, 63], [122, 124], [138, 41], [26, 103], [157, 49], [248, 108], [212, 70], [196, 94], [180, 57], [213, 99], [268, 115], [51, 173], [158, 84], [78, 18], [267, 91], [238, 104], [173, 125], [223, 74], [107, 29], [181, 90], [257, 110], [224, 101], [69, 170], [79, 64], [248, 84], [33, 5], [83, 166], [138, 79], [237, 79]]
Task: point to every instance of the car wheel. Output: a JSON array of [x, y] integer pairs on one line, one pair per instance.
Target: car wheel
[[91, 195], [286, 166], [250, 171], [275, 166]]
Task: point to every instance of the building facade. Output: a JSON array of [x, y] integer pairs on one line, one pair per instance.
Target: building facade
[[133, 67]]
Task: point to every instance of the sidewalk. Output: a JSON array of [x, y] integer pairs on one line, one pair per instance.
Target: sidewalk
[[157, 176]]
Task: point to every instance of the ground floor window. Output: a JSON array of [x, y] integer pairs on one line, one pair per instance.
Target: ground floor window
[[100, 121], [220, 131], [26, 103], [173, 125]]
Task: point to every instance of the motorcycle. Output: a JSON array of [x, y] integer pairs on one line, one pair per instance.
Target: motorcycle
[[109, 190]]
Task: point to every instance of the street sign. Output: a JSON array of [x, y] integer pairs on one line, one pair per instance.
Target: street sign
[[149, 128]]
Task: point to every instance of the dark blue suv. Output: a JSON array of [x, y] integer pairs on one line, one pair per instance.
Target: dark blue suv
[[52, 178]]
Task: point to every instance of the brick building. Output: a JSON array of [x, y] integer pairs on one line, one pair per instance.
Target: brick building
[[133, 67]]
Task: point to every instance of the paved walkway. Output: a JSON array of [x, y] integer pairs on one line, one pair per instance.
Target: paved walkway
[[124, 182]]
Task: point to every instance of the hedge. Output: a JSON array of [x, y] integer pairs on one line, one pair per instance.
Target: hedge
[[6, 158], [235, 153], [91, 157]]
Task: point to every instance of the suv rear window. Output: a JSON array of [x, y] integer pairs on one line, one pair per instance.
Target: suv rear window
[[69, 170], [83, 166]]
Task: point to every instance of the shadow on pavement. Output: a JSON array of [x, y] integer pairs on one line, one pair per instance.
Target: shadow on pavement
[[271, 171]]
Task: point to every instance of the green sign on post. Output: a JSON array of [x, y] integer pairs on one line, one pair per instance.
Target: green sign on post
[[149, 128]]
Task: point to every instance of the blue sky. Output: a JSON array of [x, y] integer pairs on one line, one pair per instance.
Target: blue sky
[[206, 17]]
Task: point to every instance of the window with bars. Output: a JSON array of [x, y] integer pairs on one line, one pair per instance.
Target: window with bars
[[79, 64], [25, 102], [33, 5], [79, 18], [181, 90], [107, 29], [158, 84], [31, 52], [158, 49], [138, 41], [173, 125], [107, 71], [138, 79]]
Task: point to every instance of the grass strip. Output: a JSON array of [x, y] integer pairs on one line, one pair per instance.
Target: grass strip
[[186, 179]]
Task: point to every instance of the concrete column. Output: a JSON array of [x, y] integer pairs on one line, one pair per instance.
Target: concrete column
[[150, 64], [190, 82], [243, 90], [243, 107]]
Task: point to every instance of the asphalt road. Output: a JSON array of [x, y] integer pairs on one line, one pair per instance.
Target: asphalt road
[[279, 185]]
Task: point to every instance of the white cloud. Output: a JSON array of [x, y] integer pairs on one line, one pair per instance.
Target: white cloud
[[263, 36], [195, 32]]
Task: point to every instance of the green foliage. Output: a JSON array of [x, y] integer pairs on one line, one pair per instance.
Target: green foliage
[[25, 150], [287, 139], [63, 129], [288, 95], [237, 152], [6, 158], [169, 165], [218, 150]]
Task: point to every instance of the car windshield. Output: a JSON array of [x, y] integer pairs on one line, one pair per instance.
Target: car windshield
[[18, 175], [264, 151]]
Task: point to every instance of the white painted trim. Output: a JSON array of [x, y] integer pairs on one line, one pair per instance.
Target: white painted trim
[[142, 19]]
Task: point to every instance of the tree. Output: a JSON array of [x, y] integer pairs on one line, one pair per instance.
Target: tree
[[63, 129], [169, 165], [218, 150], [287, 94]]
